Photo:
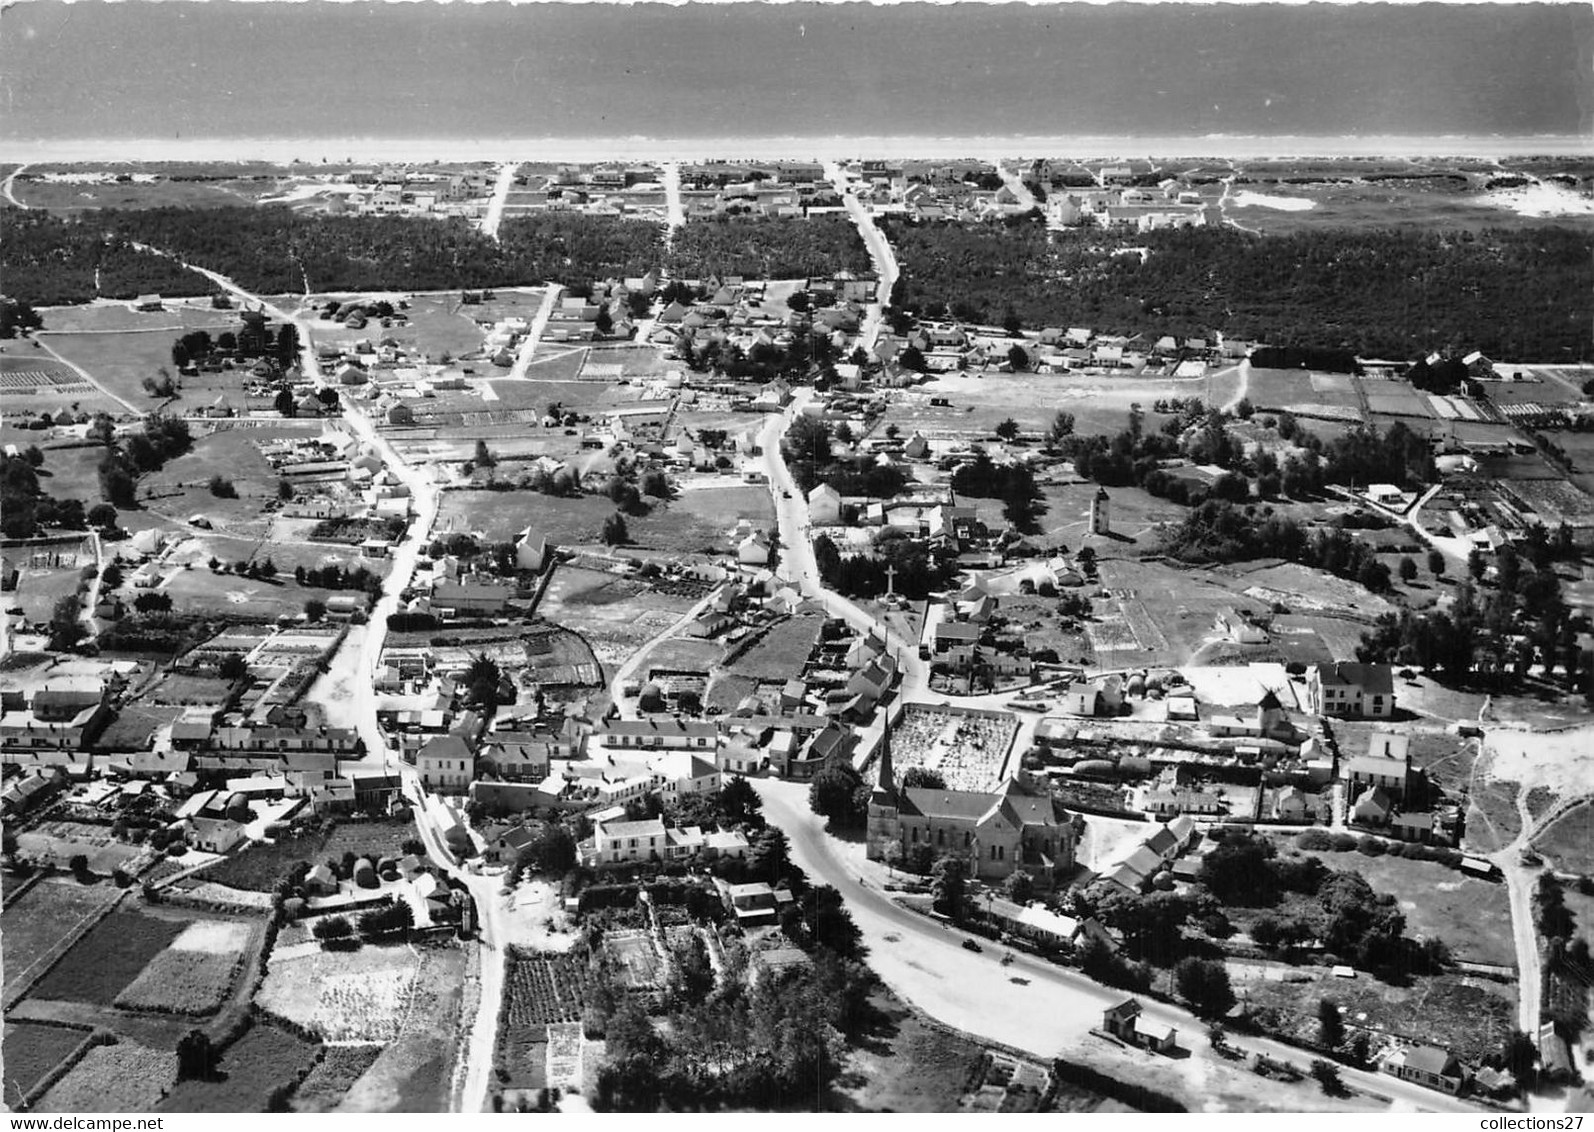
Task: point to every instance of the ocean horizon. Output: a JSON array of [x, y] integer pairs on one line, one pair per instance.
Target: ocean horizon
[[343, 150], [97, 80]]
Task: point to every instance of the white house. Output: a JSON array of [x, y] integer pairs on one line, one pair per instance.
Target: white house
[[824, 506]]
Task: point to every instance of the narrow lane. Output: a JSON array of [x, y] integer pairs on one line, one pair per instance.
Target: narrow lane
[[494, 215]]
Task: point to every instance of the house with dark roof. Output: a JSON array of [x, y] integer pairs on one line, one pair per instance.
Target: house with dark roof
[[1428, 1066], [1353, 691], [1127, 1022]]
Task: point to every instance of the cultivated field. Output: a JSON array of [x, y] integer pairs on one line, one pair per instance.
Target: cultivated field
[[31, 381], [43, 919], [32, 1052], [334, 1075], [104, 962], [121, 360], [125, 1077], [194, 974]]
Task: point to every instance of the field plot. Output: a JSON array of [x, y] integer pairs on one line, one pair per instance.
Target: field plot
[[194, 974], [110, 957], [39, 922], [250, 1070], [121, 360], [1569, 841], [1423, 204], [782, 651], [38, 590], [980, 401], [38, 382], [259, 867], [343, 995], [332, 1078], [72, 190], [615, 615], [1469, 1016], [60, 841], [636, 958], [32, 1052], [413, 1072], [1472, 916], [125, 1077], [721, 506]]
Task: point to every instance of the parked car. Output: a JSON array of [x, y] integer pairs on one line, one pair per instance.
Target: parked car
[[970, 945]]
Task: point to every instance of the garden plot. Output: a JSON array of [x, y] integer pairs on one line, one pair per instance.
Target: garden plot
[[636, 957], [564, 1056], [782, 652], [968, 747], [343, 995], [60, 841], [125, 1077], [194, 974]]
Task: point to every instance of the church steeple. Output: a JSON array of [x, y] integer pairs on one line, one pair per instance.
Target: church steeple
[[887, 781]]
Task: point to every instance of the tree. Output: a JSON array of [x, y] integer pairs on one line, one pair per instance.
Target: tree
[[315, 609], [1408, 570], [482, 682], [656, 484], [1436, 563], [604, 322], [1017, 358], [79, 864], [831, 793], [1011, 323], [233, 666], [1020, 887], [923, 778], [1245, 410], [808, 439], [1330, 1026], [102, 516], [615, 532], [196, 1058], [330, 929], [284, 403], [1204, 984], [66, 626], [770, 854], [1008, 429], [912, 359], [949, 885], [1326, 1074], [222, 487], [484, 457], [842, 432], [739, 802]]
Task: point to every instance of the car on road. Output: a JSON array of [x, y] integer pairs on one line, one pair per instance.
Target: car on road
[[785, 494], [1027, 705], [970, 945]]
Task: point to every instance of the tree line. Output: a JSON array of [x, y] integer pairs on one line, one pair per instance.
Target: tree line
[[767, 248], [1524, 294]]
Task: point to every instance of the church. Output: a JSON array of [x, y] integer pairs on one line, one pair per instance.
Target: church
[[999, 832]]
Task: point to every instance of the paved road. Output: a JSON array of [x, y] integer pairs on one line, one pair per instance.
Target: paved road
[[6, 189], [674, 209], [924, 961], [539, 323], [495, 206], [1015, 185], [885, 260]]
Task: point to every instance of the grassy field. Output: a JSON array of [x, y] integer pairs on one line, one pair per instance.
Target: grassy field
[[1472, 916], [1383, 204], [44, 916], [121, 360], [1569, 842], [250, 1070], [32, 1052], [65, 197], [980, 401], [38, 591], [782, 652], [613, 614], [673, 527], [111, 316], [1493, 820], [334, 1075], [104, 962], [721, 504]]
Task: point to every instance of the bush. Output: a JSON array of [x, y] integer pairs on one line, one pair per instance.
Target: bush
[[1315, 840], [1343, 842], [1370, 846]]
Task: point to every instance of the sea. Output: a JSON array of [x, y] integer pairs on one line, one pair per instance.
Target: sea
[[323, 81]]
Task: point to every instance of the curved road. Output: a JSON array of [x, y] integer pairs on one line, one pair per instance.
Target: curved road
[[885, 260], [924, 961]]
